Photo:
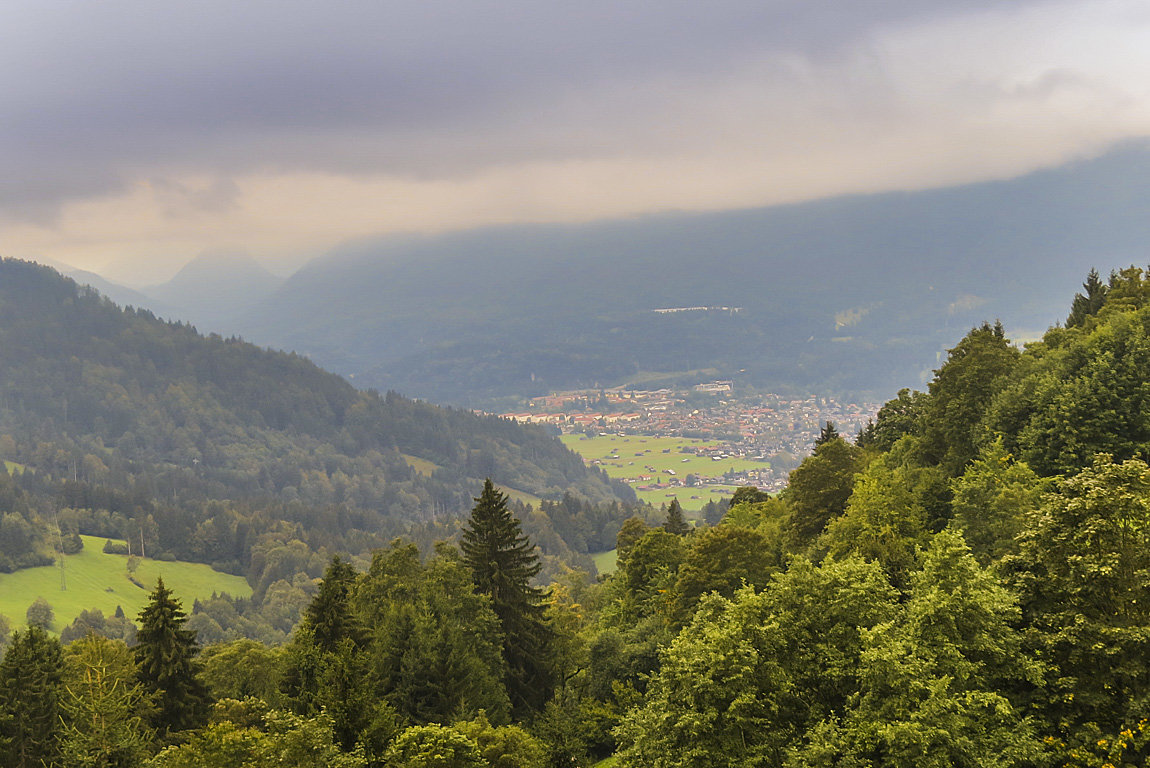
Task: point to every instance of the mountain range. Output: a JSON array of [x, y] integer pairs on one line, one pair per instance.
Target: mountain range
[[858, 294]]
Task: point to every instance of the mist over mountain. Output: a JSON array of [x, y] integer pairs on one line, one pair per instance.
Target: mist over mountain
[[211, 289], [853, 294], [121, 294]]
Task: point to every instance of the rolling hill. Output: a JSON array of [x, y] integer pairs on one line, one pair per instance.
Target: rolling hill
[[213, 449]]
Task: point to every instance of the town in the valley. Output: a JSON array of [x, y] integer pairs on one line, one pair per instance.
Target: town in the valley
[[749, 437]]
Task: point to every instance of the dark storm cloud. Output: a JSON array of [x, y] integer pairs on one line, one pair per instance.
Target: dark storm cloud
[[94, 94]]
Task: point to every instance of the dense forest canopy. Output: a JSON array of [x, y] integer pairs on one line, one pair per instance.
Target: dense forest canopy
[[967, 584]]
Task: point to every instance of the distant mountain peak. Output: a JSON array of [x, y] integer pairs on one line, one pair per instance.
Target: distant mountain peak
[[215, 265], [211, 289]]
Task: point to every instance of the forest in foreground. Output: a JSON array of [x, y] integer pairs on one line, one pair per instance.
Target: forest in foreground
[[967, 583]]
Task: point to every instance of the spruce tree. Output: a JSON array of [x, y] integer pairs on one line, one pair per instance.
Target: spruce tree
[[826, 434], [503, 561], [166, 655], [1088, 304], [675, 523], [329, 615], [325, 668], [31, 682]]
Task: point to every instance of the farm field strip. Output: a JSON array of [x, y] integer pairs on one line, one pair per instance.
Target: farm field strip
[[690, 499], [649, 461]]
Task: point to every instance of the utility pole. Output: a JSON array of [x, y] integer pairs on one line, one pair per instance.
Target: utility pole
[[60, 552]]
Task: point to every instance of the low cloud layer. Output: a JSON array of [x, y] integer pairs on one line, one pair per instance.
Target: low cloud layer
[[137, 134]]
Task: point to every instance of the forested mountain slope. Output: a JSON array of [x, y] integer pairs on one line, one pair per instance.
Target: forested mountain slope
[[857, 293], [129, 424], [967, 584]]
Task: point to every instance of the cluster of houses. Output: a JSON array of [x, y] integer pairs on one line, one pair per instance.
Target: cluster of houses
[[769, 427]]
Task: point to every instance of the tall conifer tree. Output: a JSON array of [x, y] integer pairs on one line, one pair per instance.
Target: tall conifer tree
[[31, 681], [826, 434], [329, 615], [675, 523], [503, 561], [1089, 303], [166, 655]]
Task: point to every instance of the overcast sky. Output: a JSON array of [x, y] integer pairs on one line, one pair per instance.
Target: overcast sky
[[136, 135]]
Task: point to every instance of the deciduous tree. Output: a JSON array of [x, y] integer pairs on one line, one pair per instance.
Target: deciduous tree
[[722, 559], [993, 499], [105, 708], [1084, 576], [897, 418], [884, 522], [632, 529], [960, 393], [434, 746], [935, 679], [744, 682], [819, 488], [40, 614]]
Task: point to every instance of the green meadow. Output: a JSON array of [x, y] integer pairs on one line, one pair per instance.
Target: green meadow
[[426, 468], [606, 562], [422, 466], [98, 580], [690, 499], [628, 457], [523, 496]]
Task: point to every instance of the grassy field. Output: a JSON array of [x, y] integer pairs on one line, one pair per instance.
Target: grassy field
[[97, 580], [690, 499], [425, 468], [522, 496], [649, 379], [629, 457], [606, 562], [422, 466]]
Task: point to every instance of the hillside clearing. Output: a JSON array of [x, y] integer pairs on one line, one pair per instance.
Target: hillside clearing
[[606, 562], [98, 580], [422, 466]]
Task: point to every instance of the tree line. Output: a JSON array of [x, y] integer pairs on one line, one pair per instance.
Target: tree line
[[967, 583]]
